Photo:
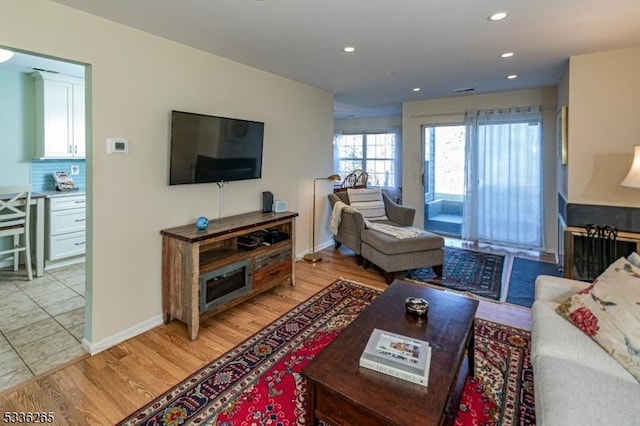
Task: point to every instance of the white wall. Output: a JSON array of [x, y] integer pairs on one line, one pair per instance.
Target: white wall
[[17, 135], [134, 80], [604, 125], [16, 132], [451, 111]]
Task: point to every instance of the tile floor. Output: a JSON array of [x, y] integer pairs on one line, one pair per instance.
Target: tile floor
[[41, 322]]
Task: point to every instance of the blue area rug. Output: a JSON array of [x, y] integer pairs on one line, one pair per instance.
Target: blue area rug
[[466, 270], [523, 277]]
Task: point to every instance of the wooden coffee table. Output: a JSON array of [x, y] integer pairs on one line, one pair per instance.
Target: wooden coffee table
[[340, 392]]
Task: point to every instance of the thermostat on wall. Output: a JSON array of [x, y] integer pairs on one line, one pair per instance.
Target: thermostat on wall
[[117, 146]]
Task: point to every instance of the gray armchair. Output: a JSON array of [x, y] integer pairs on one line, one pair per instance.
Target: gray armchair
[[352, 222]]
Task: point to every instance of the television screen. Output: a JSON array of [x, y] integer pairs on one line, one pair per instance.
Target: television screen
[[206, 148]]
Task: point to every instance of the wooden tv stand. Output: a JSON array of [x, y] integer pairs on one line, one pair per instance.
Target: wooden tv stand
[[194, 261]]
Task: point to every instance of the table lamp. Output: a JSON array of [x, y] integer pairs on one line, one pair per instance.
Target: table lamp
[[313, 256], [632, 180]]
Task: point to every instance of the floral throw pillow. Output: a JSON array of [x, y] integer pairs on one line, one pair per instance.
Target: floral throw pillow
[[608, 311]]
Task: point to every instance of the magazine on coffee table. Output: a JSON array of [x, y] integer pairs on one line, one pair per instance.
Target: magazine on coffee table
[[397, 355]]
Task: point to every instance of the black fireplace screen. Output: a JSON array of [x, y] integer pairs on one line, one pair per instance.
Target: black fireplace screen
[[596, 249]]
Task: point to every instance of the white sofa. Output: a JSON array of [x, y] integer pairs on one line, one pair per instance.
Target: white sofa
[[576, 382]]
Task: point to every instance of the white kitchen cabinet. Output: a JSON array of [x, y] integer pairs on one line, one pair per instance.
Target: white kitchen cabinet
[[66, 227], [60, 116], [68, 245]]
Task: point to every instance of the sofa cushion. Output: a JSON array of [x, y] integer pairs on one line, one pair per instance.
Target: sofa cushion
[[369, 202], [389, 244], [634, 259], [567, 393], [609, 312], [556, 289], [552, 335]]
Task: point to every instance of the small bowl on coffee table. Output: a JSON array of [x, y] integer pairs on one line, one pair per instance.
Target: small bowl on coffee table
[[416, 306]]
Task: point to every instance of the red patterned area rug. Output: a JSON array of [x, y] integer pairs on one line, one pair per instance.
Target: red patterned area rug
[[258, 382], [502, 391]]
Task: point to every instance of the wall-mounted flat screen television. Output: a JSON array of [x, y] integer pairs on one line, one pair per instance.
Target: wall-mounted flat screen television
[[206, 148]]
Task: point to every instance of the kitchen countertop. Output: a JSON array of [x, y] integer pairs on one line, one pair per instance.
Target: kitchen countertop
[[56, 194]]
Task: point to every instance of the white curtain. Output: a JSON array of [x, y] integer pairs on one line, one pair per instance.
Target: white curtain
[[396, 192], [503, 177], [336, 154]]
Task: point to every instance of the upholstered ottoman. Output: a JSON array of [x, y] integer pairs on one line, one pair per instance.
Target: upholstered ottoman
[[393, 255]]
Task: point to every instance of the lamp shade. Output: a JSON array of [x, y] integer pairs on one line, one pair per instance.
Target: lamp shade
[[5, 55], [632, 180]]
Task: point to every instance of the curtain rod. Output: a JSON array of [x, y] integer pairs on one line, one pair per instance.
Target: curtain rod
[[378, 130], [443, 114]]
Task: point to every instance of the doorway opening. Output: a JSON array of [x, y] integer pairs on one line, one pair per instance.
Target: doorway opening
[[46, 319], [444, 176]]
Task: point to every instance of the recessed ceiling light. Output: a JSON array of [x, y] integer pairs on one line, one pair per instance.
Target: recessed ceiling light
[[499, 16], [390, 73], [512, 76], [349, 49], [506, 55], [5, 55], [416, 89]]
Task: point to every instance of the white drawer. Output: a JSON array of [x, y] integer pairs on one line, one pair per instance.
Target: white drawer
[[70, 202], [65, 221], [62, 246]]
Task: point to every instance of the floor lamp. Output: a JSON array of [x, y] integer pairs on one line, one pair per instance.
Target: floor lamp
[[313, 256]]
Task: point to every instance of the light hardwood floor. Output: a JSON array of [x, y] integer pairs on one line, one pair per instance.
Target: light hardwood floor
[[105, 388]]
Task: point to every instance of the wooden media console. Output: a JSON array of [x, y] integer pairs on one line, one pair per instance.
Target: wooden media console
[[206, 271]]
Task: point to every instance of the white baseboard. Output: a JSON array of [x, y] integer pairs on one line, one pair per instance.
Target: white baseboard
[[97, 347], [54, 264], [318, 248], [325, 245]]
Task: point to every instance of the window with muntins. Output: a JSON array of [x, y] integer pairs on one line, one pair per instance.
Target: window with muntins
[[374, 153]]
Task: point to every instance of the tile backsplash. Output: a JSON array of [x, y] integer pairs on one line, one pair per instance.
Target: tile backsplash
[[42, 173]]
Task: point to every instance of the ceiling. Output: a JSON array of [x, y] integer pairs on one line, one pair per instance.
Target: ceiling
[[439, 46]]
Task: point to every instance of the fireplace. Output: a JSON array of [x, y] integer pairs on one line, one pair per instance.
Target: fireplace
[[591, 249], [591, 237]]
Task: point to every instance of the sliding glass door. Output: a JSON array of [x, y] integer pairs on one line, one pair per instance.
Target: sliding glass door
[[503, 185], [444, 178], [483, 178]]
